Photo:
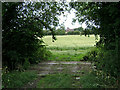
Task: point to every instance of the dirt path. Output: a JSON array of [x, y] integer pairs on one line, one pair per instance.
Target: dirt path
[[53, 67]]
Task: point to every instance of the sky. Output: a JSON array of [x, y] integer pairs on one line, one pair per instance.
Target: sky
[[67, 21]]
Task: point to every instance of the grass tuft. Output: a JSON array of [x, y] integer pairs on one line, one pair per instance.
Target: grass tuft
[[55, 81]]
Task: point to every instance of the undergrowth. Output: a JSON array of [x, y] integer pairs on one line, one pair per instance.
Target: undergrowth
[[106, 61], [16, 79], [97, 80]]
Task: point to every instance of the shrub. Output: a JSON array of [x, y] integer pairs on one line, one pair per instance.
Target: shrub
[[26, 64], [105, 60]]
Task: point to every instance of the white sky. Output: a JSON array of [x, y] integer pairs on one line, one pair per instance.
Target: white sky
[[67, 21]]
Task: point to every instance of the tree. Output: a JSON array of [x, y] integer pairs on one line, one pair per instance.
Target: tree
[[78, 29], [102, 17], [22, 24], [105, 18]]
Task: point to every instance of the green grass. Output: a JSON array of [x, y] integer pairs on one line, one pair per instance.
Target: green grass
[[17, 79], [69, 47], [95, 80], [66, 57], [55, 81], [73, 48], [88, 80]]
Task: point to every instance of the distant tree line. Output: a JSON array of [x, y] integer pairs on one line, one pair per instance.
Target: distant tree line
[[76, 31]]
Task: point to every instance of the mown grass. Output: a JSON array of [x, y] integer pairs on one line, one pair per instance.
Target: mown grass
[[16, 79], [70, 41], [69, 47]]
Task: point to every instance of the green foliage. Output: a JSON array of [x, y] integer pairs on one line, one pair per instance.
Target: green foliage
[[105, 18], [60, 32], [55, 81], [47, 32], [26, 64], [41, 54], [105, 60], [97, 80], [17, 79], [107, 63], [23, 25], [73, 33], [87, 32], [78, 29]]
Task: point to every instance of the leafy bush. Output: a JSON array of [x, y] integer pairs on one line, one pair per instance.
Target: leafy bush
[[41, 54], [26, 64], [21, 29], [105, 60]]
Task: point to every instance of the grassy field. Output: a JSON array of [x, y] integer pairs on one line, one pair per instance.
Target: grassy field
[[69, 47]]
